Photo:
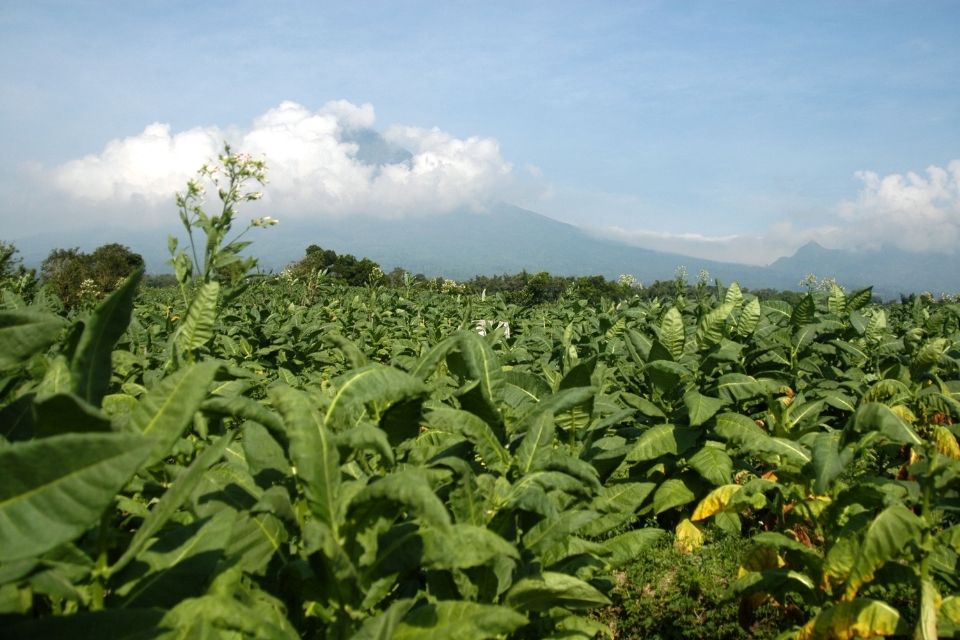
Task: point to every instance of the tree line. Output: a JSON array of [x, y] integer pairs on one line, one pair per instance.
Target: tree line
[[75, 276]]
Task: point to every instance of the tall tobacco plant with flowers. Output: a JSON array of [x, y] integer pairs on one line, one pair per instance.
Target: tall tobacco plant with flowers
[[214, 267]]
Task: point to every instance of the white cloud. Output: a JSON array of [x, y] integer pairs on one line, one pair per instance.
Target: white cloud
[[909, 211], [313, 162]]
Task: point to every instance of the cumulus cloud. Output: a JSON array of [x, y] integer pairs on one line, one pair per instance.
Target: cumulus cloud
[[317, 165], [909, 211]]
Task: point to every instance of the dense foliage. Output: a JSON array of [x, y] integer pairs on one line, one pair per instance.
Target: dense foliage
[[284, 458]]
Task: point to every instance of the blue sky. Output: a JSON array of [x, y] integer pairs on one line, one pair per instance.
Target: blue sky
[[725, 129]]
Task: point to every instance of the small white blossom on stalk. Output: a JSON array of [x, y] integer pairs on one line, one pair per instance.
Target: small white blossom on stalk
[[703, 277], [681, 273], [265, 221]]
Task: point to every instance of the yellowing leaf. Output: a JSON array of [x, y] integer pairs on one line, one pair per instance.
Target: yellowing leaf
[[946, 442], [760, 558], [855, 619], [905, 414], [689, 536], [715, 502], [950, 609]]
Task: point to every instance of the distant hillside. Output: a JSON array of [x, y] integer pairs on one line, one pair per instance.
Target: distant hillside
[[508, 239]]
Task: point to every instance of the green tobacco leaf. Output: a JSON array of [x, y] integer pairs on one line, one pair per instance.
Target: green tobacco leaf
[[710, 327], [551, 590], [354, 356], [409, 489], [244, 408], [55, 488], [536, 442], [481, 436], [665, 376], [117, 624], [365, 437], [67, 413], [167, 409], [743, 432], [90, 364], [171, 500], [886, 537], [672, 333], [713, 464], [778, 582], [474, 359], [383, 626], [749, 318], [197, 327], [874, 416], [375, 384], [551, 530], [672, 493], [458, 620], [837, 301], [24, 333], [828, 461], [463, 546], [313, 452], [700, 408], [733, 296], [628, 547], [661, 440], [804, 311], [859, 299]]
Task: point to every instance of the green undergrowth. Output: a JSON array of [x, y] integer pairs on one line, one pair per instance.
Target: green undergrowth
[[669, 594]]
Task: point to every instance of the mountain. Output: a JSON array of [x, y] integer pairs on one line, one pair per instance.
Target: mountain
[[508, 239]]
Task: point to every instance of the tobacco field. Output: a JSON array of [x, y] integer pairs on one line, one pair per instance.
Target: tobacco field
[[279, 458]]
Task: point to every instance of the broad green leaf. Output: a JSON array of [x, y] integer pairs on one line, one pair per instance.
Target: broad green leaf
[[536, 442], [874, 416], [700, 408], [474, 359], [244, 408], [859, 618], [458, 620], [55, 488], [828, 461], [713, 464], [171, 500], [167, 409], [749, 318], [710, 327], [661, 440], [672, 493], [383, 626], [462, 546], [408, 489], [365, 437], [24, 333], [488, 447], [197, 327], [313, 452], [804, 311], [859, 299], [90, 365], [374, 384], [117, 624], [837, 301], [743, 432], [550, 590], [551, 530], [60, 413], [886, 537], [733, 296], [672, 333], [628, 547], [665, 376], [778, 581]]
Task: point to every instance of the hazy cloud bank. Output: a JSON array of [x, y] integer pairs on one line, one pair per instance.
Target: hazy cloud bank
[[906, 211]]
